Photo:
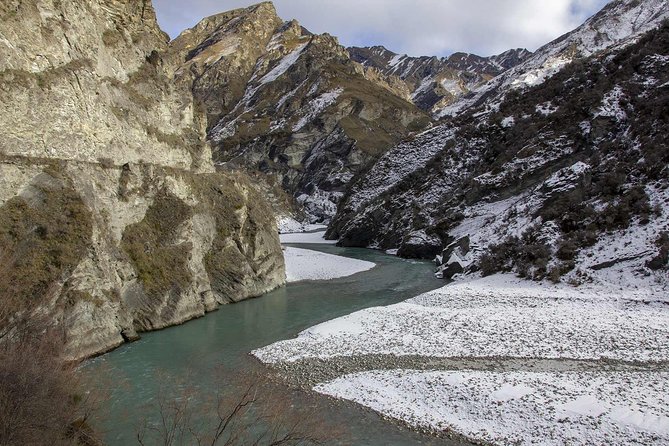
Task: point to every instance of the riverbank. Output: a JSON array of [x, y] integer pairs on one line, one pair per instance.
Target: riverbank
[[503, 346]]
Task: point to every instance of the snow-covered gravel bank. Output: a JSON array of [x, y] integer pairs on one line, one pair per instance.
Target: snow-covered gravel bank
[[570, 408], [493, 392], [304, 264], [494, 317]]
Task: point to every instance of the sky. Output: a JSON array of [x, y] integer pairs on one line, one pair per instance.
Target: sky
[[414, 27]]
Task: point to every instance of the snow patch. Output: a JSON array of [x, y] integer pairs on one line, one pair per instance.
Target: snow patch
[[288, 225], [305, 264], [317, 106], [538, 75], [283, 66], [509, 121], [316, 237], [452, 86], [611, 107], [552, 409]]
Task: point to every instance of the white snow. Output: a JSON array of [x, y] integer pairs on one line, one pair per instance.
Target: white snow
[[306, 238], [288, 225], [574, 408], [509, 121], [566, 179], [396, 59], [629, 249], [611, 107], [452, 86], [547, 108], [624, 22], [498, 316], [538, 75], [283, 66], [319, 202], [424, 86], [304, 264], [317, 106]]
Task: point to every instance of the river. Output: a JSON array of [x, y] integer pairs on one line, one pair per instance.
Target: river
[[204, 352]]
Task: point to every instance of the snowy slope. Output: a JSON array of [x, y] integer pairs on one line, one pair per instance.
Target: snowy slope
[[567, 178], [619, 23], [290, 104]]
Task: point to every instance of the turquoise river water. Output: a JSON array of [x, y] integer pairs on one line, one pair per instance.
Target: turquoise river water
[[203, 353]]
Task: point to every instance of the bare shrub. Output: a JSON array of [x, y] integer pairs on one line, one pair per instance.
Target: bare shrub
[[252, 413], [39, 399]]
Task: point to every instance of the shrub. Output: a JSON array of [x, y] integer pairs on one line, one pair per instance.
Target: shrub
[[42, 239], [40, 401], [160, 262], [662, 259], [527, 256]]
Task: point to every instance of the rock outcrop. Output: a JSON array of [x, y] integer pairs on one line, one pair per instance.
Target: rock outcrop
[[290, 104], [113, 219]]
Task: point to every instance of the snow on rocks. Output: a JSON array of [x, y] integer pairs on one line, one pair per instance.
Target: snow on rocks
[[283, 66], [611, 107], [498, 316], [538, 75], [575, 408], [288, 225], [317, 106], [620, 23], [509, 121], [303, 264]]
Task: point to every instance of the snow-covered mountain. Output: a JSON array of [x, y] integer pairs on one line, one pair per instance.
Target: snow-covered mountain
[[290, 104], [433, 82], [619, 23], [562, 178]]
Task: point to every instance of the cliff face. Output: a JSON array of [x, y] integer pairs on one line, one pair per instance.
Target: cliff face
[[113, 219], [290, 104]]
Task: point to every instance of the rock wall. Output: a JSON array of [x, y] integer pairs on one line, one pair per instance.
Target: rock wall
[[114, 220]]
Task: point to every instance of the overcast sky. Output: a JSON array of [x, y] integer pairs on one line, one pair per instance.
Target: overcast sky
[[415, 27]]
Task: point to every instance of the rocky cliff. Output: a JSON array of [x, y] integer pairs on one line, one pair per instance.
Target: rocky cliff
[[290, 104], [113, 219], [565, 179]]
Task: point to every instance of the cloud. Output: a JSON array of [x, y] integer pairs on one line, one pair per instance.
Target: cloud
[[415, 27]]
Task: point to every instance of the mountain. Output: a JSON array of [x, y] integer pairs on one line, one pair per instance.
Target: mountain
[[620, 22], [135, 173], [433, 82], [113, 219], [565, 179], [290, 104]]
